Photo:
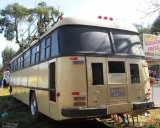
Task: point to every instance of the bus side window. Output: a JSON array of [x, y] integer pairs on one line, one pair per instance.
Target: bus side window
[[42, 57], [35, 54], [54, 44], [48, 40], [21, 62], [45, 49], [16, 65], [52, 82], [134, 71], [27, 59], [12, 66]]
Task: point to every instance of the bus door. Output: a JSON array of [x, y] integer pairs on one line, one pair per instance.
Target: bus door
[[134, 67], [117, 80], [96, 75], [52, 89]]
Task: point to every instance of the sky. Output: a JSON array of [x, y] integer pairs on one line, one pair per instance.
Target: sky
[[132, 11]]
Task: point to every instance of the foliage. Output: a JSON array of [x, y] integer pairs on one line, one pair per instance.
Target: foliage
[[7, 53], [156, 25], [15, 15], [43, 10], [12, 15], [152, 7], [158, 116], [142, 30]]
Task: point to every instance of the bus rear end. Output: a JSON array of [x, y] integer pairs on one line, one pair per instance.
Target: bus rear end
[[101, 71], [99, 86]]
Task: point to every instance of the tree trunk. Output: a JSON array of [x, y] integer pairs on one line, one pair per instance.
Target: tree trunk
[[17, 37]]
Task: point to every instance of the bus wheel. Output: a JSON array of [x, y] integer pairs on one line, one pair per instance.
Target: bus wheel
[[34, 107]]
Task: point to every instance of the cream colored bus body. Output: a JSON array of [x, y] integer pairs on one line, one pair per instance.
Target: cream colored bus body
[[75, 92]]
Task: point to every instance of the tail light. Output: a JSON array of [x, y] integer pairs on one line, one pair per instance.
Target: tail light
[[74, 58], [148, 94], [145, 63]]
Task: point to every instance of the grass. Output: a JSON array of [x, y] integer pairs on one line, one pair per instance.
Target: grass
[[4, 92], [20, 113]]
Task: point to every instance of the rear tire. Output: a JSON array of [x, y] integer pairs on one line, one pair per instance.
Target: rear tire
[[34, 107]]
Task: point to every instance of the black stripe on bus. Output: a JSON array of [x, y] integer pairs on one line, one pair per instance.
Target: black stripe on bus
[[34, 88]]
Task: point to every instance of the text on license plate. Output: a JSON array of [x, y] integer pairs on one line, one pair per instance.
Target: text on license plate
[[115, 92]]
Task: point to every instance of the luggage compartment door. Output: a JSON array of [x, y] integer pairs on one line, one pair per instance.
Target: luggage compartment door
[[96, 75]]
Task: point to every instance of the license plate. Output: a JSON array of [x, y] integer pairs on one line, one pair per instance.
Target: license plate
[[116, 92]]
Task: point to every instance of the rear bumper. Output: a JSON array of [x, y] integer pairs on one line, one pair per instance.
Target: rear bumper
[[106, 110], [84, 112], [143, 105]]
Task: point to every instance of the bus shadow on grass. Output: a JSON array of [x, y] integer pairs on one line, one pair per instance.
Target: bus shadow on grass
[[19, 113]]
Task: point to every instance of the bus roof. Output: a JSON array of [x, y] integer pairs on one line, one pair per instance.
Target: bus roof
[[88, 22], [97, 22]]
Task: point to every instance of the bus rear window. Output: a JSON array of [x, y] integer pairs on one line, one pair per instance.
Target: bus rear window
[[127, 42], [116, 67], [84, 39], [134, 72]]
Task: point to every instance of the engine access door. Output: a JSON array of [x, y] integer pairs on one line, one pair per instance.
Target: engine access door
[[96, 75]]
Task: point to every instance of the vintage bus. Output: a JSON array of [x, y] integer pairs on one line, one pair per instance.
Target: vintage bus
[[83, 69]]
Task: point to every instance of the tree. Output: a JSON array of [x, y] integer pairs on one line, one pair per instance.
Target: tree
[[152, 7], [12, 15], [156, 26], [47, 15], [141, 29], [7, 53]]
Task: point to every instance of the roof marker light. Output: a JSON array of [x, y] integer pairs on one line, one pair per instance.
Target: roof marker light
[[99, 17], [105, 18], [111, 19], [61, 18]]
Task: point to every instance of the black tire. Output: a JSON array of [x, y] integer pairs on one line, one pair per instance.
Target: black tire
[[34, 107]]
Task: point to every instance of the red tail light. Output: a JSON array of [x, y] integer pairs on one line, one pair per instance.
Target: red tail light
[[148, 94], [74, 58], [75, 93], [145, 63]]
